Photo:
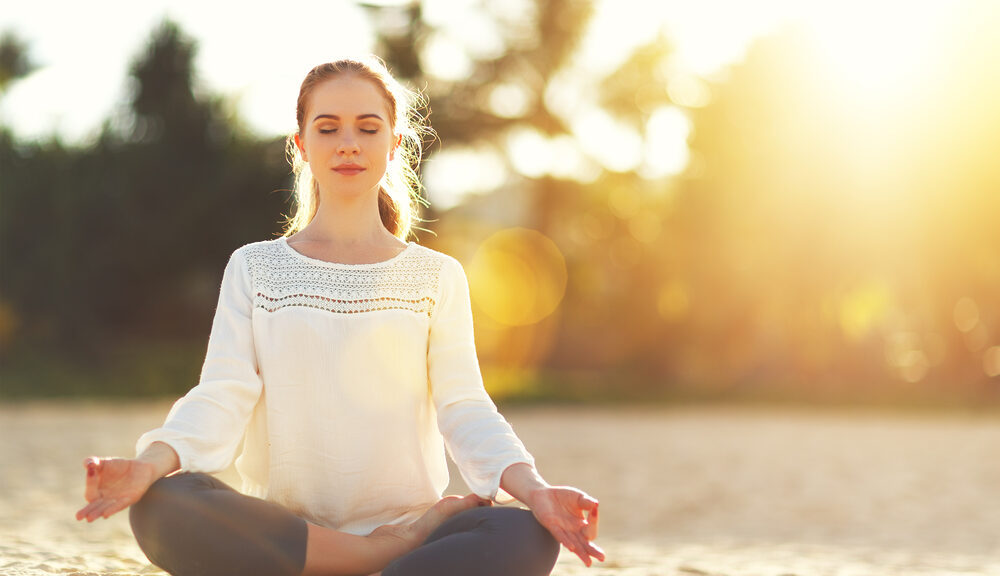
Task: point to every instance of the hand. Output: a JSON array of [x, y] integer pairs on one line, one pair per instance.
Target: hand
[[114, 484], [571, 516]]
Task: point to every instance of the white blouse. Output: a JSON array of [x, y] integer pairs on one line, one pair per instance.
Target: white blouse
[[340, 380]]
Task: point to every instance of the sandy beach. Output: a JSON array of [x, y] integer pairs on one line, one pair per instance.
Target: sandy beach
[[684, 491]]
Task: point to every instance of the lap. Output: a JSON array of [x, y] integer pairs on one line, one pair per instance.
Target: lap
[[196, 524]]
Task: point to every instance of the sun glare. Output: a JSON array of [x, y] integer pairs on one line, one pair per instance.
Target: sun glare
[[877, 51]]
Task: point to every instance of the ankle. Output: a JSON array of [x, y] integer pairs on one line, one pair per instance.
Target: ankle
[[397, 538]]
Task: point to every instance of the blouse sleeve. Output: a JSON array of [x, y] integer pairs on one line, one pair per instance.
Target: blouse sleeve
[[206, 426], [477, 437]]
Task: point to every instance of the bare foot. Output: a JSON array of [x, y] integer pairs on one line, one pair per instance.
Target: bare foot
[[399, 539], [445, 508]]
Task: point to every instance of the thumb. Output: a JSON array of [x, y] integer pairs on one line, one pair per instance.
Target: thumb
[[591, 530]]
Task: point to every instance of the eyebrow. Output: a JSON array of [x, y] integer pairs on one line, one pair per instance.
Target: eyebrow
[[335, 117]]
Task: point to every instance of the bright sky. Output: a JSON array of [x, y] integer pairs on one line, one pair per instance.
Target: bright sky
[[259, 54], [255, 52]]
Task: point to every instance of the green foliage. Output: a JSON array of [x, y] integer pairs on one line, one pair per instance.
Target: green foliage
[[127, 239], [129, 368], [732, 280], [15, 63]]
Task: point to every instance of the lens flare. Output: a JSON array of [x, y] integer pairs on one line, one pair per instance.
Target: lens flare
[[518, 277], [966, 315], [991, 362]]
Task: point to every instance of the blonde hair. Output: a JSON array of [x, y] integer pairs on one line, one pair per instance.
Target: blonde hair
[[399, 195]]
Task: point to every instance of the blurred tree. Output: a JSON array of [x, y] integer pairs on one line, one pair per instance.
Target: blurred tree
[[829, 248], [774, 261], [609, 317], [15, 62], [127, 239], [192, 186]]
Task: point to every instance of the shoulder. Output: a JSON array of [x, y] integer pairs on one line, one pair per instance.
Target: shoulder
[[257, 255], [424, 253], [250, 260], [445, 266], [260, 248]]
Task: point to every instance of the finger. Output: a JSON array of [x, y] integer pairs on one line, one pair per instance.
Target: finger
[[588, 547], [85, 512], [590, 532], [585, 502], [98, 510], [595, 551], [88, 511], [578, 546], [107, 510], [93, 466], [117, 506], [582, 549], [566, 539], [82, 512], [110, 508]]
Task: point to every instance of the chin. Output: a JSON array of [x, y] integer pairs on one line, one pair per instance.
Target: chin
[[353, 191]]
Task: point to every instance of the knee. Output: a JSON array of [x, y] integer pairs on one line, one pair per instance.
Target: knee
[[164, 496], [538, 549], [158, 515]]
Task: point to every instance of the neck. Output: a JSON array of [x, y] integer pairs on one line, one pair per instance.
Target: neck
[[348, 221]]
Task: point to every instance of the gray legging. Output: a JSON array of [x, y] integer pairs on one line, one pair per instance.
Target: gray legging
[[194, 525]]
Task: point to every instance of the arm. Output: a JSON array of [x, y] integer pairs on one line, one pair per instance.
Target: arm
[[478, 438], [488, 453], [204, 427]]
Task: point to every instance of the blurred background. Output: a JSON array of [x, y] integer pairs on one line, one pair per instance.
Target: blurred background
[[672, 201], [689, 229]]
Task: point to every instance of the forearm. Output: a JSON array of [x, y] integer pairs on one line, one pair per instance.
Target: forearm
[[521, 480], [162, 458], [330, 552]]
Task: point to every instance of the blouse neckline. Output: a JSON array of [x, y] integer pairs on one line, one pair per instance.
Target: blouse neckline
[[284, 242]]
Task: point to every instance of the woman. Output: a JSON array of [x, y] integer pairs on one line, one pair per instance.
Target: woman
[[340, 356]]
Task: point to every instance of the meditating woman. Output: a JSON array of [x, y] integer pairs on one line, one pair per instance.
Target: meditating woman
[[342, 360]]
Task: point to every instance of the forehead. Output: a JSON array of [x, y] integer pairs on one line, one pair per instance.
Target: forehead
[[347, 96]]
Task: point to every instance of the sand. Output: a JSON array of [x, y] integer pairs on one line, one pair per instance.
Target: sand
[[684, 491]]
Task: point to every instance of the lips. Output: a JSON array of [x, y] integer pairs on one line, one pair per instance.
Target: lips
[[349, 169]]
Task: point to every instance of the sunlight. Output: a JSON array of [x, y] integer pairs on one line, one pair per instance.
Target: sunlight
[[457, 172], [879, 51], [991, 362], [666, 146], [862, 308], [608, 141], [673, 301]]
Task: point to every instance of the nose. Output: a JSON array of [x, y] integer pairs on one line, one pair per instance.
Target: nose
[[348, 147]]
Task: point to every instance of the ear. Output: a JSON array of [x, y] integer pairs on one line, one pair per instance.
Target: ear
[[301, 147], [392, 152]]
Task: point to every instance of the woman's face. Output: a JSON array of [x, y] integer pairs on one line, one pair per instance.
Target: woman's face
[[346, 137]]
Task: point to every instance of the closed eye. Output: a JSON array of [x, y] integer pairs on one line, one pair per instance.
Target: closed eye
[[327, 130]]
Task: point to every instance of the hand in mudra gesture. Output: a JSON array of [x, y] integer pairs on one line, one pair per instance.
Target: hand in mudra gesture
[[114, 484], [571, 516]]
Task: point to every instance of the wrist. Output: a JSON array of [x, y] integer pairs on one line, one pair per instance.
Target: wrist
[[533, 495], [523, 482], [159, 459], [392, 541]]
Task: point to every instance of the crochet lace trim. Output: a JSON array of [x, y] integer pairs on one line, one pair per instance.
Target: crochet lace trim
[[282, 278]]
